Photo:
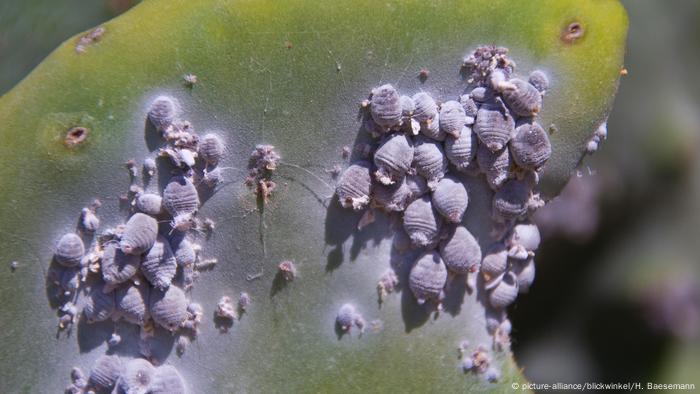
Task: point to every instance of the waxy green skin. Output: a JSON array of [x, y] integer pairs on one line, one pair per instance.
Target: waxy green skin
[[290, 74]]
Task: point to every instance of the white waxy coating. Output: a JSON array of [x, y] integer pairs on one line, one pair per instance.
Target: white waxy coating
[[180, 197], [90, 222], [163, 111], [495, 261], [421, 222], [184, 252], [428, 277], [495, 165], [391, 197], [525, 272], [353, 187], [494, 125], [510, 201], [105, 372], [462, 150], [469, 105], [527, 235], [426, 108], [450, 199], [417, 185], [461, 251], [167, 380], [136, 377], [169, 307], [431, 129], [530, 147], [117, 266], [132, 303], [525, 100], [452, 118], [408, 106], [429, 160], [159, 265], [385, 106], [211, 148], [393, 158], [539, 80], [505, 292], [345, 317], [69, 250], [149, 203], [139, 234]]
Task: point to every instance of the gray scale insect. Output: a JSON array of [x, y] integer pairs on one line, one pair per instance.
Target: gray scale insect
[[530, 147], [432, 130], [69, 250], [345, 318], [169, 307], [417, 185], [505, 292], [495, 262], [494, 319], [132, 303], [428, 277], [213, 177], [495, 165], [184, 252], [117, 266], [393, 158], [421, 222], [524, 100], [429, 160], [523, 241], [408, 106], [462, 150], [167, 380], [211, 148], [494, 125], [149, 167], [163, 112], [539, 80], [391, 197], [426, 109], [149, 203], [450, 199], [139, 234], [461, 252], [68, 279], [525, 274], [470, 107], [136, 377], [385, 106], [99, 306], [181, 200], [159, 265], [482, 94], [105, 373], [452, 118], [354, 185], [511, 200], [89, 221]]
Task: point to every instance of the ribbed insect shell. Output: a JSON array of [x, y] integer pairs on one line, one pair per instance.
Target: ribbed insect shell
[[99, 306], [408, 107], [495, 165], [432, 129], [505, 292], [211, 148], [462, 150], [184, 252], [345, 317], [495, 262], [169, 307], [117, 266], [428, 277], [426, 109], [354, 185], [470, 107], [391, 197], [525, 273], [421, 222], [139, 234], [385, 106], [137, 377], [539, 80], [149, 167], [452, 118], [158, 265], [450, 199], [510, 201], [167, 380], [461, 251], [494, 125], [482, 94], [530, 147], [524, 100], [393, 158], [149, 203], [69, 250], [105, 372], [525, 236], [132, 302], [429, 160], [181, 200], [417, 185], [163, 111]]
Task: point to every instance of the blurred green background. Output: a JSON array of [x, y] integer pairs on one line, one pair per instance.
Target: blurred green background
[[617, 296]]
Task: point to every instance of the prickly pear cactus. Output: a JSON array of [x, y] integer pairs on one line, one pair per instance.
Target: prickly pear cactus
[[328, 306]]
